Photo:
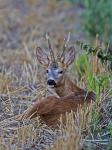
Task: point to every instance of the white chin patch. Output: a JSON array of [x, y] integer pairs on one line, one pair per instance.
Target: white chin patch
[[51, 86]]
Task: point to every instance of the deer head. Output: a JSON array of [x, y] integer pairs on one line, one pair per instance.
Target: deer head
[[55, 67]]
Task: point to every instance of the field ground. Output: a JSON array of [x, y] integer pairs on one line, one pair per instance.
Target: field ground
[[22, 27]]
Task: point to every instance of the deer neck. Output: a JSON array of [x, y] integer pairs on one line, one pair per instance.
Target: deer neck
[[65, 87]]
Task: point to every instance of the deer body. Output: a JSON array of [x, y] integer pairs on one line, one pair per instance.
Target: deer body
[[69, 96]]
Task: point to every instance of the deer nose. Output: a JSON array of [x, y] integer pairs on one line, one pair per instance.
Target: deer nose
[[51, 82]]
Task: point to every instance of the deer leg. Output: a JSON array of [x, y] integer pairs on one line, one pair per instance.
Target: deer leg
[[40, 107]]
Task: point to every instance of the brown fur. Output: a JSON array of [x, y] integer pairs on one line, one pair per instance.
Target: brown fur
[[51, 108]]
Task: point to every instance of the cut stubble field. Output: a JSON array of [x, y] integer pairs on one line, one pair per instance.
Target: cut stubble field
[[23, 25]]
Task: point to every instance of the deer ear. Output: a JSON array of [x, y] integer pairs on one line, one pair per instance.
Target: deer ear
[[69, 56], [42, 56]]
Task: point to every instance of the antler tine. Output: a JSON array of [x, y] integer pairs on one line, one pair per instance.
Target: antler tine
[[50, 48], [65, 44], [68, 39]]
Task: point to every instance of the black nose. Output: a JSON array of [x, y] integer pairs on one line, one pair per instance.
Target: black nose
[[51, 82]]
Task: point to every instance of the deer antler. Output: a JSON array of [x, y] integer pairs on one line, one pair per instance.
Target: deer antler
[[50, 48], [65, 45]]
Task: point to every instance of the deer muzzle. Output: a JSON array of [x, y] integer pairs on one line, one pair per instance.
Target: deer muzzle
[[51, 82]]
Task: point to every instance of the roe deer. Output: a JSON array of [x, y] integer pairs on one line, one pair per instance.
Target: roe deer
[[67, 95]]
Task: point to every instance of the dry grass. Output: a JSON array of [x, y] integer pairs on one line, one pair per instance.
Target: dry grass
[[22, 27], [70, 134]]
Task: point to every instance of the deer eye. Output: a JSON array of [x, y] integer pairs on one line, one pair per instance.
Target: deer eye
[[47, 71], [60, 72]]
